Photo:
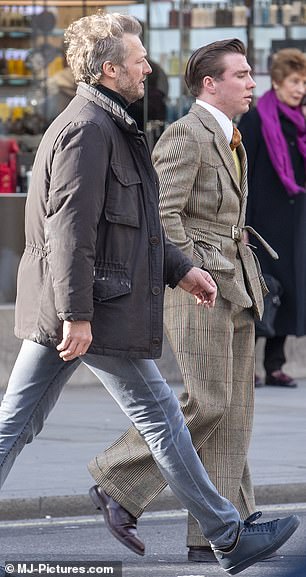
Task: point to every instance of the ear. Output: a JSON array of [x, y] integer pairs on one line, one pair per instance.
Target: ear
[[109, 69], [209, 84]]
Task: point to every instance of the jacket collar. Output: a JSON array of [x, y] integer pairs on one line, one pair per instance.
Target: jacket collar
[[223, 120], [115, 96], [221, 143], [119, 115]]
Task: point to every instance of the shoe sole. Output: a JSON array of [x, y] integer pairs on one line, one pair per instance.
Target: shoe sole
[[207, 557], [97, 500], [282, 538]]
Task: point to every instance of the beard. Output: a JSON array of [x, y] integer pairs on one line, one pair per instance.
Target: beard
[[129, 89]]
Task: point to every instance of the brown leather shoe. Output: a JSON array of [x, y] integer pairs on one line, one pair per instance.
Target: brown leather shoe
[[201, 555], [118, 520], [280, 379]]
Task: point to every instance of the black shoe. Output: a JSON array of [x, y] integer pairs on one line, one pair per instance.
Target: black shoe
[[118, 520], [255, 541], [280, 379], [201, 555], [258, 382]]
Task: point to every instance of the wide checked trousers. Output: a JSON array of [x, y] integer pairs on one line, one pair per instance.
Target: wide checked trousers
[[215, 352]]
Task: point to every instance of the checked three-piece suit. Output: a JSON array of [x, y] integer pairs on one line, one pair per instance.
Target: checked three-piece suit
[[202, 203]]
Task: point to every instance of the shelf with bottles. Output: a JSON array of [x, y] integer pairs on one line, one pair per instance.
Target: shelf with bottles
[[230, 13], [173, 55], [31, 43], [13, 63], [279, 13], [16, 32], [34, 19], [20, 116], [189, 14], [24, 61], [15, 17], [29, 66], [26, 33], [168, 30], [273, 39], [15, 80]]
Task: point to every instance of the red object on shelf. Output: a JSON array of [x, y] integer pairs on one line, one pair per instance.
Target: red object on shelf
[[8, 165], [6, 184]]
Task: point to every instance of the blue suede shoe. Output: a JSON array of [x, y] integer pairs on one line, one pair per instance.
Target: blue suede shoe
[[255, 541]]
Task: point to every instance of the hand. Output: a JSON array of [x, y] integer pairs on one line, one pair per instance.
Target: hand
[[76, 339], [199, 283]]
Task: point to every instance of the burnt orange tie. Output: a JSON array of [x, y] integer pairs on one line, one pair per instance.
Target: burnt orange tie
[[236, 138]]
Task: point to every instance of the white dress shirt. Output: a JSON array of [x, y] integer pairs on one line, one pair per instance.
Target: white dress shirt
[[225, 123]]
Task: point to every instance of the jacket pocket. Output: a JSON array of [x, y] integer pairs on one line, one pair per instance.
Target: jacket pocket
[[110, 281], [122, 202], [210, 257]]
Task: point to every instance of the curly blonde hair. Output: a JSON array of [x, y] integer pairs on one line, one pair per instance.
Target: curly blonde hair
[[92, 40], [285, 62]]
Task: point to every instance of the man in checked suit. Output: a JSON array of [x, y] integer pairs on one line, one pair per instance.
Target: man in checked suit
[[203, 182]]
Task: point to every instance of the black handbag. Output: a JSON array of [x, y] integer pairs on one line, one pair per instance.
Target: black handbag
[[265, 327]]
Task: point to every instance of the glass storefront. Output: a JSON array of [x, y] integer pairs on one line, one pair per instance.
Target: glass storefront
[[35, 83]]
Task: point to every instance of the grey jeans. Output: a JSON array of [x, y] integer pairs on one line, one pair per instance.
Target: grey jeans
[[139, 389]]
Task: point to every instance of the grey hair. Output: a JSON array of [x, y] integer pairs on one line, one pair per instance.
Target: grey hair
[[92, 40]]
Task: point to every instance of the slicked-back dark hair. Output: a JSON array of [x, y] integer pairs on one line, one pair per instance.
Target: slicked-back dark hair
[[209, 61]]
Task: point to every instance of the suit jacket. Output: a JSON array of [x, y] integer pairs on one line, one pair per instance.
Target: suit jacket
[[200, 195]]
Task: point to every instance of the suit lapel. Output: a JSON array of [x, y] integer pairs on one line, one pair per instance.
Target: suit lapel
[[223, 148], [225, 152]]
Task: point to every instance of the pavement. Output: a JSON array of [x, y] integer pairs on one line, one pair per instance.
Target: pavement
[[50, 477]]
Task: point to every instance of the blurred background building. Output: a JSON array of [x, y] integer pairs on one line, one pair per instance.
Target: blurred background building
[[35, 83]]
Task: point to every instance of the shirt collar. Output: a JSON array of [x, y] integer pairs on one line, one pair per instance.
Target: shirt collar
[[225, 123]]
